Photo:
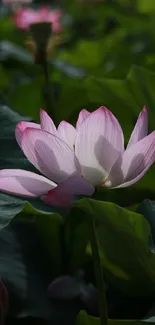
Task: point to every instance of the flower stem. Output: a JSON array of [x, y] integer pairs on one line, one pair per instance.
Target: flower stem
[[48, 90], [98, 274]]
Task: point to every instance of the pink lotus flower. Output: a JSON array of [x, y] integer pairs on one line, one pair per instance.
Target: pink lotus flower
[[79, 159], [24, 17]]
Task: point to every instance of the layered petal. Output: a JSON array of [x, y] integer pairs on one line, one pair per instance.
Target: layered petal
[[99, 143], [134, 163], [20, 128], [23, 17], [51, 16], [67, 133], [49, 154], [141, 128], [82, 116], [63, 194], [47, 123], [24, 183]]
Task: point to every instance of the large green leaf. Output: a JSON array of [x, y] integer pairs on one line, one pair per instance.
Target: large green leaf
[[30, 258], [47, 223], [146, 6], [22, 264], [28, 98], [125, 197], [27, 272], [72, 99], [123, 238], [9, 208], [76, 237], [87, 54], [49, 228], [4, 303], [150, 317], [84, 319], [11, 155], [147, 208], [115, 95], [125, 97], [140, 83], [4, 78]]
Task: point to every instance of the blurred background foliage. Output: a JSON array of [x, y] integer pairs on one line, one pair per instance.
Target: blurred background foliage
[[106, 56]]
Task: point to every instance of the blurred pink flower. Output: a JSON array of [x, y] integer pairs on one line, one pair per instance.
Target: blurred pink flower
[[76, 160], [24, 17]]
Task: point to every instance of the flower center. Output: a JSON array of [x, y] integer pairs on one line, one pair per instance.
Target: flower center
[[106, 183]]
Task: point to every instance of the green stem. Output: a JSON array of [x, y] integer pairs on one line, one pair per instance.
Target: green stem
[[46, 72], [98, 275], [48, 90]]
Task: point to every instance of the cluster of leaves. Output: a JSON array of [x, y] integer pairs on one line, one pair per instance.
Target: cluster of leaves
[[108, 59]]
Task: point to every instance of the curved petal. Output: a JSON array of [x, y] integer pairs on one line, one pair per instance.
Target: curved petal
[[47, 123], [24, 183], [82, 116], [43, 13], [49, 154], [134, 163], [20, 128], [141, 128], [63, 194], [67, 133], [23, 17], [99, 143]]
